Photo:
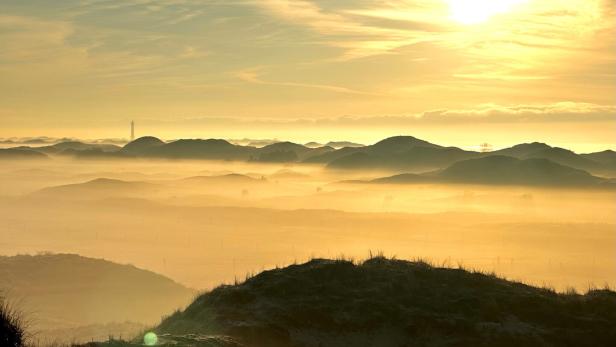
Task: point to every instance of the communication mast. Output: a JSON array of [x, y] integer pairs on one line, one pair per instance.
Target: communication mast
[[132, 130]]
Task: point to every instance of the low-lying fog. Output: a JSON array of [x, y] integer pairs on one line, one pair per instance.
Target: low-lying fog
[[200, 225]]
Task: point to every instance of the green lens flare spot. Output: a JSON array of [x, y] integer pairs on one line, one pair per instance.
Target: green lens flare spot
[[150, 339]]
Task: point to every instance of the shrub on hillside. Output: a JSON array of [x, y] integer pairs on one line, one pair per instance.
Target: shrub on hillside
[[11, 326]]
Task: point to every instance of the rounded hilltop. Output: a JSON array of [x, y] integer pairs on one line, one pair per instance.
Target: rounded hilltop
[[388, 303], [142, 144]]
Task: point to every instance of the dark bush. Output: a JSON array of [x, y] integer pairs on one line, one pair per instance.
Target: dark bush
[[11, 326]]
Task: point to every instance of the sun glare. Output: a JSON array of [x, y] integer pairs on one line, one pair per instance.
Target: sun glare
[[478, 11]]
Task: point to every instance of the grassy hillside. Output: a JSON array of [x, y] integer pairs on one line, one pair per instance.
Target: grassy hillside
[[384, 303]]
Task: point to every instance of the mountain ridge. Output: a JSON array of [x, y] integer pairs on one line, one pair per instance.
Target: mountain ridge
[[397, 153]]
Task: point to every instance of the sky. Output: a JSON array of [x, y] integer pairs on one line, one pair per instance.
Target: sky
[[456, 72]]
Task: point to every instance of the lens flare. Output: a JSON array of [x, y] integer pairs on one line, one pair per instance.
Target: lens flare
[[150, 339]]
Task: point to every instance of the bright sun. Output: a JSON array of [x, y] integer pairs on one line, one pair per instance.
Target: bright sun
[[478, 11]]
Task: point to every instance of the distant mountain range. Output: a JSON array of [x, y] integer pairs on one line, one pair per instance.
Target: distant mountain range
[[398, 154], [69, 291]]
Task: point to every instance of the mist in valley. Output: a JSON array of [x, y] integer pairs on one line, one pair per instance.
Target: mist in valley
[[203, 223]]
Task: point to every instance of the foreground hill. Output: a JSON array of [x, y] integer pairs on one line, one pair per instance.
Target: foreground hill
[[387, 303], [504, 170], [68, 291]]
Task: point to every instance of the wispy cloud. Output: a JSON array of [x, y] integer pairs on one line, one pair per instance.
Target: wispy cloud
[[357, 57], [341, 29], [565, 111], [253, 75], [555, 112]]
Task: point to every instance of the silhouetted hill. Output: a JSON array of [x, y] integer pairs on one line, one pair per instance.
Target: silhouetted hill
[[260, 143], [281, 152], [400, 144], [555, 154], [63, 291], [99, 187], [18, 153], [505, 170], [224, 150], [387, 303], [142, 144], [417, 158], [605, 157], [394, 153], [383, 153], [200, 149], [313, 144], [71, 146], [398, 153], [522, 150], [285, 146], [508, 170], [409, 153], [289, 152], [333, 155]]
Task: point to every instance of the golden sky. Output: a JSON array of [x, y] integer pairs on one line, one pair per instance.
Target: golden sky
[[462, 71]]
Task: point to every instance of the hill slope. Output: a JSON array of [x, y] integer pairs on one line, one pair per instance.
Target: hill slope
[[504, 170], [603, 163], [508, 170], [100, 188], [74, 146], [389, 303], [20, 153], [606, 157], [69, 291]]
